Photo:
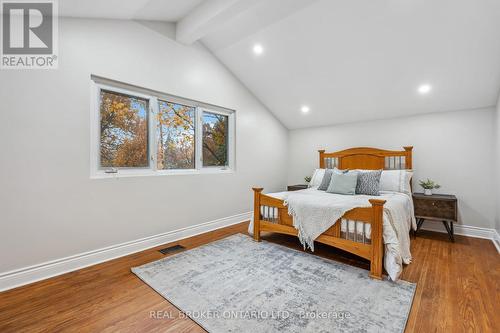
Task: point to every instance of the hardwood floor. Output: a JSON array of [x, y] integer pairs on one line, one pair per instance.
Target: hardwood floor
[[458, 290]]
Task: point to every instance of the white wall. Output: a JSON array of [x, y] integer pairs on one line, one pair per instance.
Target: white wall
[[453, 148], [497, 154], [49, 208]]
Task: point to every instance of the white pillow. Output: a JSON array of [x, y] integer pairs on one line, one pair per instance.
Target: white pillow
[[396, 181], [317, 177]]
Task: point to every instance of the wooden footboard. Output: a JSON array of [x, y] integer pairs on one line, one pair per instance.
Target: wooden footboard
[[271, 215]]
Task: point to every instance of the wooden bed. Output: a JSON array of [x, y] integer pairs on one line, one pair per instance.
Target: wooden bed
[[355, 158]]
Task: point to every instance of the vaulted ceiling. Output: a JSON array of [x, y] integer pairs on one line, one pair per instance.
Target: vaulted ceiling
[[157, 10], [346, 60]]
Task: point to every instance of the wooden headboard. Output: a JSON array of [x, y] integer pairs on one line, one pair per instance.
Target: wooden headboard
[[367, 158]]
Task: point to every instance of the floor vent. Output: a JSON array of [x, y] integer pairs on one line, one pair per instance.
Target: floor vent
[[172, 249]]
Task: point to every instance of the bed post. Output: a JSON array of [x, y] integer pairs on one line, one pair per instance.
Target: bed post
[[409, 160], [377, 239], [321, 158], [256, 213]]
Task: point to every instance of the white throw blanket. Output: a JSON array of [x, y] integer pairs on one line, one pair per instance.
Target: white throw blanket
[[314, 214]]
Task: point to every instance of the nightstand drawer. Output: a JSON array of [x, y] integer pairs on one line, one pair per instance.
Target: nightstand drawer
[[297, 187], [435, 208]]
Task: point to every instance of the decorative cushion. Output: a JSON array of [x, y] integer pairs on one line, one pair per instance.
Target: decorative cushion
[[368, 182], [326, 180], [343, 183], [328, 177], [317, 177], [396, 181]]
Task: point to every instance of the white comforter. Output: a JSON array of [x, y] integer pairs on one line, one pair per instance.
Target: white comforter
[[317, 211]]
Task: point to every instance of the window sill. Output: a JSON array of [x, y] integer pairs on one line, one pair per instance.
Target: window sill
[[151, 173]]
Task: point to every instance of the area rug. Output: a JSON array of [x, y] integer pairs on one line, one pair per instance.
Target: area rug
[[238, 285]]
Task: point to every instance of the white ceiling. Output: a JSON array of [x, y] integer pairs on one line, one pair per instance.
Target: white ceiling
[[364, 59], [348, 60], [157, 10]]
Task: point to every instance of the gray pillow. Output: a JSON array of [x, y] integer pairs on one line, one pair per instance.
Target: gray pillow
[[326, 180], [328, 177], [368, 182], [344, 183]]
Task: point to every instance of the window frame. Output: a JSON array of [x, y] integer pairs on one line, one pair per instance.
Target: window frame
[[155, 156], [153, 98], [230, 137]]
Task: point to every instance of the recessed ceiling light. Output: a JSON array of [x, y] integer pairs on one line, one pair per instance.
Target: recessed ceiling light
[[305, 109], [424, 89], [258, 49]]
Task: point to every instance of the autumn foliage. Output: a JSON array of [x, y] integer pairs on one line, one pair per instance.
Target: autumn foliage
[[176, 141], [215, 128], [124, 134]]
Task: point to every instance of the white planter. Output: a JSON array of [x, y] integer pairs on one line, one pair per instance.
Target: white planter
[[427, 191]]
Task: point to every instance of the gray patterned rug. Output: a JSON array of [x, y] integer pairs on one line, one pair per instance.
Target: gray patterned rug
[[238, 285]]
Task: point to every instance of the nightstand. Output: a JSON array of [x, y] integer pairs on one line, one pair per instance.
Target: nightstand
[[296, 187], [436, 207]]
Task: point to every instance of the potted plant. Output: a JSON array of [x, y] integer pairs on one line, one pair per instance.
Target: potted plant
[[428, 185]]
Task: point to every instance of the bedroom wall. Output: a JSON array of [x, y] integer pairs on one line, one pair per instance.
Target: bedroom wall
[[453, 148], [50, 208], [497, 154]]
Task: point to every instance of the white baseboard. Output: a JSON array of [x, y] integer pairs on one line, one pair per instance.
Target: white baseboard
[[466, 230], [26, 275]]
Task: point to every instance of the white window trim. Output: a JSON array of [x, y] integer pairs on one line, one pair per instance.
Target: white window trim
[[97, 173]]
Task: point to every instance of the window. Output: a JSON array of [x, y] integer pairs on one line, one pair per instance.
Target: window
[[124, 131], [215, 139], [139, 132], [176, 140]]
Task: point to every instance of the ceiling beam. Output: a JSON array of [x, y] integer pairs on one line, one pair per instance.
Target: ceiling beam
[[208, 17], [255, 19]]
